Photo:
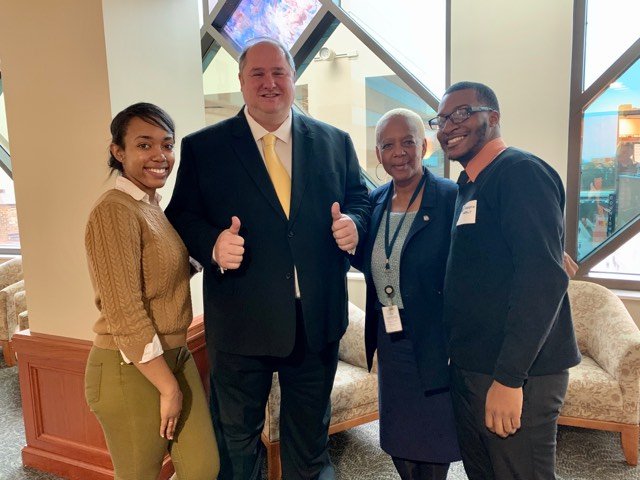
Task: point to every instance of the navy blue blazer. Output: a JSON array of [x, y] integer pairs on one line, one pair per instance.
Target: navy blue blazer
[[422, 267], [252, 310]]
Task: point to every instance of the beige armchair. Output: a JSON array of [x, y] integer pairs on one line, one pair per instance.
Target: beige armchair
[[604, 389], [11, 282], [354, 399]]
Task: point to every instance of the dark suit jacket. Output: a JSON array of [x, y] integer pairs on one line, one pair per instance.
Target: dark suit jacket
[[251, 311], [422, 266]]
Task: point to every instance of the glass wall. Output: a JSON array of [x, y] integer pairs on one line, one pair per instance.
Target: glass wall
[[415, 35], [605, 143], [625, 261], [610, 173], [9, 234], [222, 97], [612, 27], [353, 89]]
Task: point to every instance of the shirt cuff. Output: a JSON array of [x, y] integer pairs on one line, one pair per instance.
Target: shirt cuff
[[151, 351], [213, 257], [353, 250], [195, 264]]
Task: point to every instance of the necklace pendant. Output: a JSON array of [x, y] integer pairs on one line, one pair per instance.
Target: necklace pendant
[[387, 266]]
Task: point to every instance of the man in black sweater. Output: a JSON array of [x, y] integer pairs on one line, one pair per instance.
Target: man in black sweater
[[507, 314]]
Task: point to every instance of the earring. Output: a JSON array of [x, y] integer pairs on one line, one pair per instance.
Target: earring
[[376, 171]]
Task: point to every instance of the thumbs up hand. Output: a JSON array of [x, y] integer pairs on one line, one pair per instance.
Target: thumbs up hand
[[229, 247], [344, 229]]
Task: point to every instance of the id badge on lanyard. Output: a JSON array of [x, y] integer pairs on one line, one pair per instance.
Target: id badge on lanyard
[[391, 314]]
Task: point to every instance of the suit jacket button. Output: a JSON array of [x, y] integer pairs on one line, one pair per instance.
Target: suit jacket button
[[291, 234], [288, 276]]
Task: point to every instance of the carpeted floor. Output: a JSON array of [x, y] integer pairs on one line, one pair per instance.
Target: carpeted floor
[[582, 454]]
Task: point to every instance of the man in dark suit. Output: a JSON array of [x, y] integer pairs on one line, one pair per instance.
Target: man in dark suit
[[271, 202]]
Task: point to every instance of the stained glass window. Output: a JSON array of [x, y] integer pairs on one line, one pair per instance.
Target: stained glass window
[[284, 20]]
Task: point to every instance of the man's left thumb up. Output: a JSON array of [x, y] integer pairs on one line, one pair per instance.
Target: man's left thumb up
[[335, 211]]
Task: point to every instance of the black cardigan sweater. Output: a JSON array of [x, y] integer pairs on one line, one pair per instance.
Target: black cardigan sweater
[[507, 311]]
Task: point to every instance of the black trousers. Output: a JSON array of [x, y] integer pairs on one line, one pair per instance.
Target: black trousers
[[241, 386], [530, 453], [412, 470]]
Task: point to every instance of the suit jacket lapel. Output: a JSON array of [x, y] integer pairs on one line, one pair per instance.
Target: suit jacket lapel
[[245, 147], [423, 216], [302, 165], [376, 219]]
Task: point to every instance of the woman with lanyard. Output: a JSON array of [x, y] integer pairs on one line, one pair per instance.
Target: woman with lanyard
[[404, 260]]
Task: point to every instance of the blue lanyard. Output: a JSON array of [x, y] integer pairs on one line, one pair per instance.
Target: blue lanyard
[[388, 246]]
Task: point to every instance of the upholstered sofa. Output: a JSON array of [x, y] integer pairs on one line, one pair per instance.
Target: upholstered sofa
[[354, 399], [11, 283], [604, 389]]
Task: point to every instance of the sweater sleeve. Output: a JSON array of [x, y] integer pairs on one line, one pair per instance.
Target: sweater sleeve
[[113, 241], [532, 224]]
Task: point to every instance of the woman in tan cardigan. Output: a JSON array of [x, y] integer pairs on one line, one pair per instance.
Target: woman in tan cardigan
[[141, 381]]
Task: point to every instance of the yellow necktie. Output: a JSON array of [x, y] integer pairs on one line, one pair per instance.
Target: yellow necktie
[[277, 172]]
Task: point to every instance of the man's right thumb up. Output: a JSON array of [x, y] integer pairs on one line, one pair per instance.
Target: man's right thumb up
[[235, 225]]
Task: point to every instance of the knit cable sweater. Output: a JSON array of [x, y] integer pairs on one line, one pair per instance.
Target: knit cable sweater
[[140, 273]]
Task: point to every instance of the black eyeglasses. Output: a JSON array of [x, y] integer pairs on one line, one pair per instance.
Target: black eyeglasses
[[459, 115]]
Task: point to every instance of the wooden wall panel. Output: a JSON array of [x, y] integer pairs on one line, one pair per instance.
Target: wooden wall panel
[[63, 436]]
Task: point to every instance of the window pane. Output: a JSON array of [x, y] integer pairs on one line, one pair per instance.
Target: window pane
[[396, 29], [284, 20], [353, 89], [9, 234], [610, 173], [612, 27], [4, 133], [222, 97], [625, 260]]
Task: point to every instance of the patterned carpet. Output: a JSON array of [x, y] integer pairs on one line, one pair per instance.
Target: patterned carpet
[[582, 454]]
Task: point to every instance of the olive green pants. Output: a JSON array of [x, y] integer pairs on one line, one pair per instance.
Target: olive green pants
[[128, 408]]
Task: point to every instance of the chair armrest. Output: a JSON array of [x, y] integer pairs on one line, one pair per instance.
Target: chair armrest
[[8, 316], [628, 375], [11, 272], [23, 320], [352, 344], [20, 300], [613, 341]]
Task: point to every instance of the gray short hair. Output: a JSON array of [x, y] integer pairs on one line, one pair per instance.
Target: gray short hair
[[256, 41], [412, 118]]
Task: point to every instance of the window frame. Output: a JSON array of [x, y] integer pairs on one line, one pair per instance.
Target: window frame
[[579, 101]]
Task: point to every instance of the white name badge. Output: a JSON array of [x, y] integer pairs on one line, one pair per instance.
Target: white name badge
[[392, 321], [468, 213]]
